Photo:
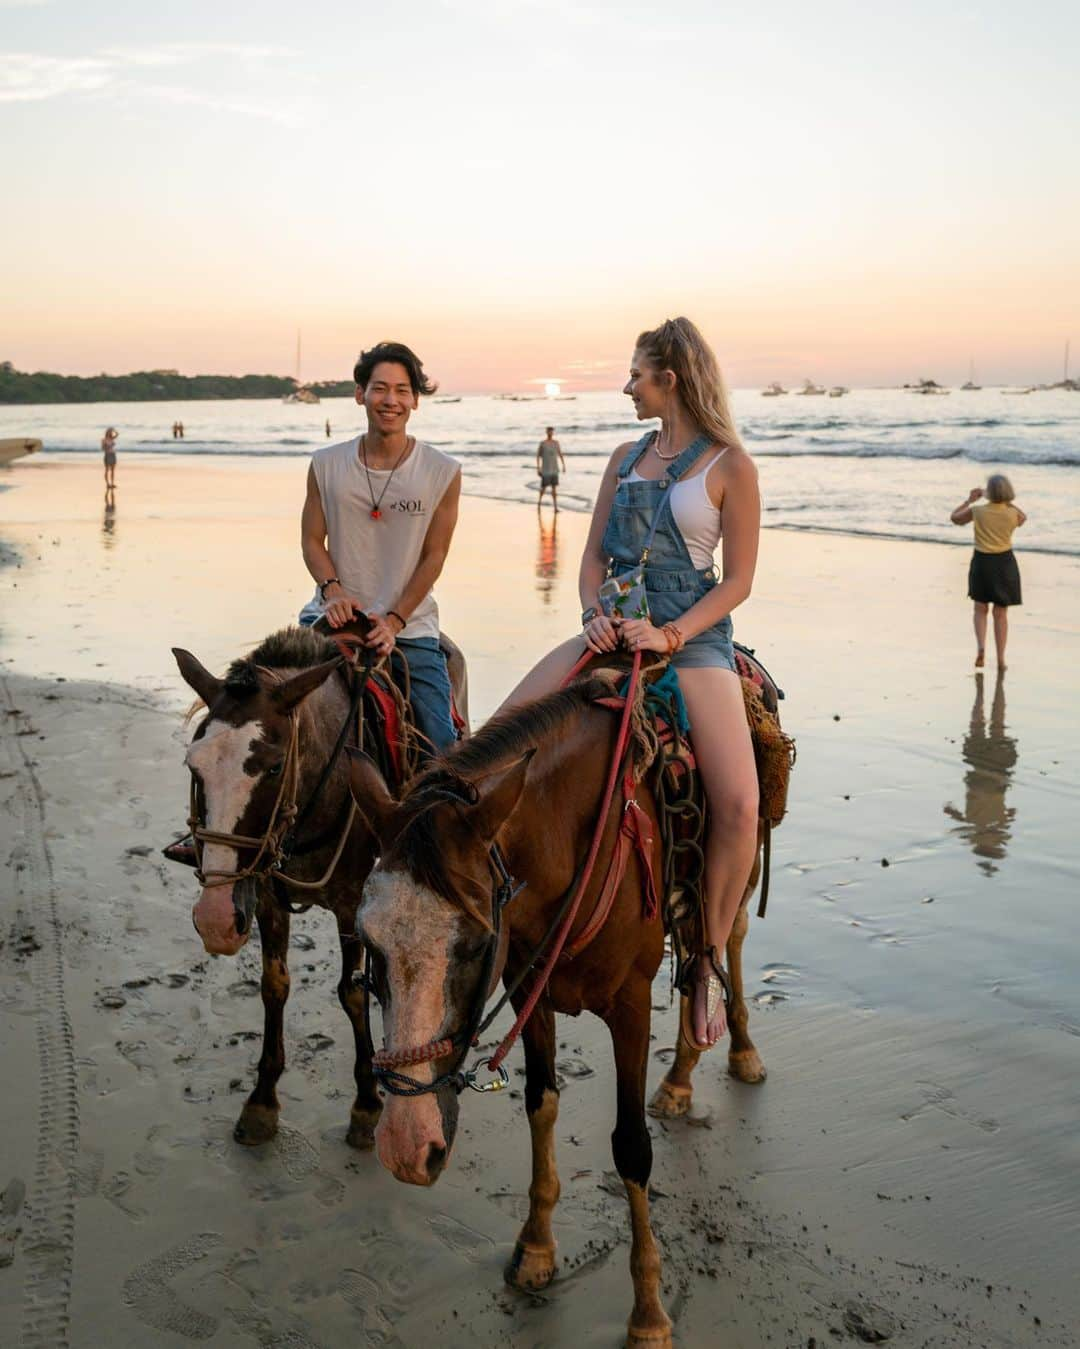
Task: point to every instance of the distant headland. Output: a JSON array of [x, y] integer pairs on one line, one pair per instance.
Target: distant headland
[[151, 386]]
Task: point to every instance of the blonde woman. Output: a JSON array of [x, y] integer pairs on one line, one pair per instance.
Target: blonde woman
[[695, 467], [993, 576]]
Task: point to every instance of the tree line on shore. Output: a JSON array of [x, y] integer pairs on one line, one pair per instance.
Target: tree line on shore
[[150, 386]]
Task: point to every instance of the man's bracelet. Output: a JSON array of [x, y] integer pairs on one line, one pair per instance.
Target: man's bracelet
[[393, 613], [324, 585]]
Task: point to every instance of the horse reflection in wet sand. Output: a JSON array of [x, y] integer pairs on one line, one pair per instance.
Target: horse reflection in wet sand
[[426, 917]]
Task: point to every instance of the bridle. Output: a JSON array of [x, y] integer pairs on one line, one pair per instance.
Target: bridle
[[277, 843], [386, 1062]]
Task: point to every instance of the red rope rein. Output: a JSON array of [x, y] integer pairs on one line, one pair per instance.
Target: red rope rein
[[621, 743]]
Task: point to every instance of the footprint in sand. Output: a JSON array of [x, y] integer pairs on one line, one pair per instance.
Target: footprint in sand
[[460, 1238], [368, 1298], [146, 1290]]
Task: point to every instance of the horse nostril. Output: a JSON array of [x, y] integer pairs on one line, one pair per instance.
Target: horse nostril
[[436, 1159], [240, 919]]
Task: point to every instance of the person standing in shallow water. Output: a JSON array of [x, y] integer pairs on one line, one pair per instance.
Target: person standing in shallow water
[[108, 452], [549, 456], [993, 575], [698, 457]]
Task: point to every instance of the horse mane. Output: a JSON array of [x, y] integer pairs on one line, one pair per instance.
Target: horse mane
[[509, 734], [291, 648], [506, 736]]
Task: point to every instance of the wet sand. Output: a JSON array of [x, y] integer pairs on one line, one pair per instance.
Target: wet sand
[[911, 1164]]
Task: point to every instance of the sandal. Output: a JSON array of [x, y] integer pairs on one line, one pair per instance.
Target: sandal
[[717, 986]]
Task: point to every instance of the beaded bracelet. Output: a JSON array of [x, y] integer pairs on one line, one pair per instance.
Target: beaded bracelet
[[674, 638]]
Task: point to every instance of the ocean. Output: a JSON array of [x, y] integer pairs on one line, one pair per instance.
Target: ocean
[[883, 462]]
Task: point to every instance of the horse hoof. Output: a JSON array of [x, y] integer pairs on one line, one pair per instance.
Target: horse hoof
[[361, 1133], [670, 1101], [746, 1066], [649, 1337], [257, 1124], [531, 1268]]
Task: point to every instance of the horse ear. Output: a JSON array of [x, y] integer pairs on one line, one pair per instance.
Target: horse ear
[[369, 791], [498, 801], [197, 676], [293, 691]]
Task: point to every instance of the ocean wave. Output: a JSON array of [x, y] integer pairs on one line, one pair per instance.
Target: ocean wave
[[855, 531]]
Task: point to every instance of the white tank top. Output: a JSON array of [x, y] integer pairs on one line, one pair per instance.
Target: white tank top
[[373, 559], [698, 519]]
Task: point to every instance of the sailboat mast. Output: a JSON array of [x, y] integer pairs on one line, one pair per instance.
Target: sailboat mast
[[1066, 358], [298, 355]]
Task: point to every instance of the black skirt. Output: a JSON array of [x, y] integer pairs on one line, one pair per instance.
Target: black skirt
[[994, 578]]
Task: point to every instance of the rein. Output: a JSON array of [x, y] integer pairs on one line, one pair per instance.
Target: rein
[[278, 841], [385, 1062]]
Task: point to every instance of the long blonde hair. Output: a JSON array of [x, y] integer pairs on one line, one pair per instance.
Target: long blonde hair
[[679, 346]]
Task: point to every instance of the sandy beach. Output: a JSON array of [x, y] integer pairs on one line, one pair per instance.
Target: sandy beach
[[911, 1169]]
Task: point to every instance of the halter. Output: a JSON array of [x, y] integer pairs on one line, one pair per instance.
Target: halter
[[277, 842], [384, 1062]]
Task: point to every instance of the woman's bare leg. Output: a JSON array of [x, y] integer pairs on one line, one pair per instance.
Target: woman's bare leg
[[547, 675], [981, 611], [725, 757], [1001, 632]]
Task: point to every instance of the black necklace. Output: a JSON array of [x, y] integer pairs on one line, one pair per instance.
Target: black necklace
[[376, 513]]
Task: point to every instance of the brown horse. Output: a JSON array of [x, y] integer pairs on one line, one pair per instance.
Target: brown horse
[[288, 692], [523, 793]]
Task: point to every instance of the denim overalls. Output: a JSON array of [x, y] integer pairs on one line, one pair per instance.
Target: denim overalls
[[672, 582]]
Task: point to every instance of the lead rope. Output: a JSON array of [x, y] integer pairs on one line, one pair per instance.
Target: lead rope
[[601, 823]]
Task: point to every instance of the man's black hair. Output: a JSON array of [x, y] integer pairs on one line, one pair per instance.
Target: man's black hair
[[400, 354]]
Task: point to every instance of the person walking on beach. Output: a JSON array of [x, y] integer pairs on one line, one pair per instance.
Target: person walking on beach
[[688, 485], [328, 428], [175, 430], [376, 527], [549, 456], [108, 450], [180, 429], [993, 575]]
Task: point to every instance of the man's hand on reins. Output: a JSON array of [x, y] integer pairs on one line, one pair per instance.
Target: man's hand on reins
[[340, 607], [383, 633]]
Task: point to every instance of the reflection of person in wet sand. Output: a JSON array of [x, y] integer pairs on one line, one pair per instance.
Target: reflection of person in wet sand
[[108, 523], [547, 561], [986, 822]]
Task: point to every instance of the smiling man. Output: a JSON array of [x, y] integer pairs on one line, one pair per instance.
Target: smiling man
[[376, 527]]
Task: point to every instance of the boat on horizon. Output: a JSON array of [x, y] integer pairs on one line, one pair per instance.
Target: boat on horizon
[[838, 391], [301, 394], [774, 390], [17, 447], [969, 385], [810, 389], [926, 386]]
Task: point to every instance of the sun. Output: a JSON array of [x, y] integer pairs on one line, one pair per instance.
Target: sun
[[551, 389]]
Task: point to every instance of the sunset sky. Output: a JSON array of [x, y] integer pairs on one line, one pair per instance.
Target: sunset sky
[[857, 193]]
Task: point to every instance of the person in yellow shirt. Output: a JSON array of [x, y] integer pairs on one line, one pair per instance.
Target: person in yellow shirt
[[993, 577]]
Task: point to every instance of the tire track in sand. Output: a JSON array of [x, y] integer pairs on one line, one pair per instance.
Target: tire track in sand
[[49, 1239]]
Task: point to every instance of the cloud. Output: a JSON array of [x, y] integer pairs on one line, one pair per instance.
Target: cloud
[[26, 77]]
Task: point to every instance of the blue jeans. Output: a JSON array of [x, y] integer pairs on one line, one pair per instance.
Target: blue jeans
[[429, 689]]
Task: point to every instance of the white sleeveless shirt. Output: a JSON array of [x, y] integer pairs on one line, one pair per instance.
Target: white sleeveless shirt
[[698, 519], [373, 559]]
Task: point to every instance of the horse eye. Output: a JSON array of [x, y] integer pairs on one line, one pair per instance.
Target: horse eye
[[274, 771]]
